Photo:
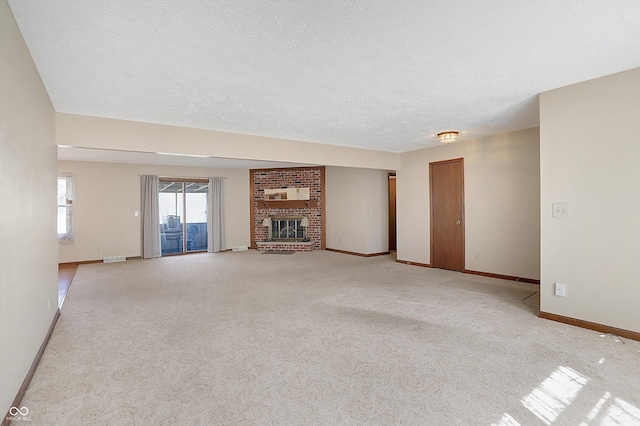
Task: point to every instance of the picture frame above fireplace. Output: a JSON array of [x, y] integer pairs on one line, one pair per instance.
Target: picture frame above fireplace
[[287, 194]]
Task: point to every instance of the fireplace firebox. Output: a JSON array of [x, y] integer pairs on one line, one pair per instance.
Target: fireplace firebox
[[287, 228]]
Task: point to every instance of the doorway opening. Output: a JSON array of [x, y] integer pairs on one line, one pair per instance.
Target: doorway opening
[[392, 212], [183, 215]]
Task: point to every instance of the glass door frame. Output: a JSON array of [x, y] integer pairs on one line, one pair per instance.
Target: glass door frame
[[183, 214]]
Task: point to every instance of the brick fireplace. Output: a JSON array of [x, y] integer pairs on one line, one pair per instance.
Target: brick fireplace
[[286, 215]]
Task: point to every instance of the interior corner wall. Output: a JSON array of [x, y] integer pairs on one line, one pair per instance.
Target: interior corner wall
[[589, 155], [28, 242], [357, 210], [108, 195], [502, 203]]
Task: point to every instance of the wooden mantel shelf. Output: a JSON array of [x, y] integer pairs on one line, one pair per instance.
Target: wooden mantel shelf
[[288, 204]]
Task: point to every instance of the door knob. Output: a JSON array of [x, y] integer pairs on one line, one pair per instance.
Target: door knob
[[458, 222]]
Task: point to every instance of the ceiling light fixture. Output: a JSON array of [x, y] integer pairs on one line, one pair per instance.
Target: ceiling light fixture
[[448, 137]]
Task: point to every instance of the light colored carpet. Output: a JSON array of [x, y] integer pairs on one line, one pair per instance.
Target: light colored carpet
[[320, 338]]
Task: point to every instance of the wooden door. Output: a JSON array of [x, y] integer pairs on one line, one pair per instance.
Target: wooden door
[[447, 214], [392, 212]]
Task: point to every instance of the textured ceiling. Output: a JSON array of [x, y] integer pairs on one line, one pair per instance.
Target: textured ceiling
[[379, 74]]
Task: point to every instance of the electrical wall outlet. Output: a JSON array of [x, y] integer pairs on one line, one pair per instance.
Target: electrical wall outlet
[[561, 210], [560, 290]]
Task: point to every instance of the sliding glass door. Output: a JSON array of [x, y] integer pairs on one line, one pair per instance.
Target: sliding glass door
[[183, 215], [196, 214]]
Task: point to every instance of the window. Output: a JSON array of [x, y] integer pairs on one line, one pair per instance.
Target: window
[[66, 195]]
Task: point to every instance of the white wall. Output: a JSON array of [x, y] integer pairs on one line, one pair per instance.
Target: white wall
[[108, 194], [28, 242], [357, 209], [589, 155], [502, 203]]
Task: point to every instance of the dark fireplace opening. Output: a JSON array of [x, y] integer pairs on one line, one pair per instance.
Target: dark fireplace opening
[[287, 229]]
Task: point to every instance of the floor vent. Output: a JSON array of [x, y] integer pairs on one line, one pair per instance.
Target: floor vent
[[114, 259]]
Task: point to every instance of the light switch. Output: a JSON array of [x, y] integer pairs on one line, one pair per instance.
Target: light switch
[[561, 210], [136, 214]]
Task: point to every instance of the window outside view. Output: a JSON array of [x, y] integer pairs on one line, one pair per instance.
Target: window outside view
[[183, 216], [65, 209]]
